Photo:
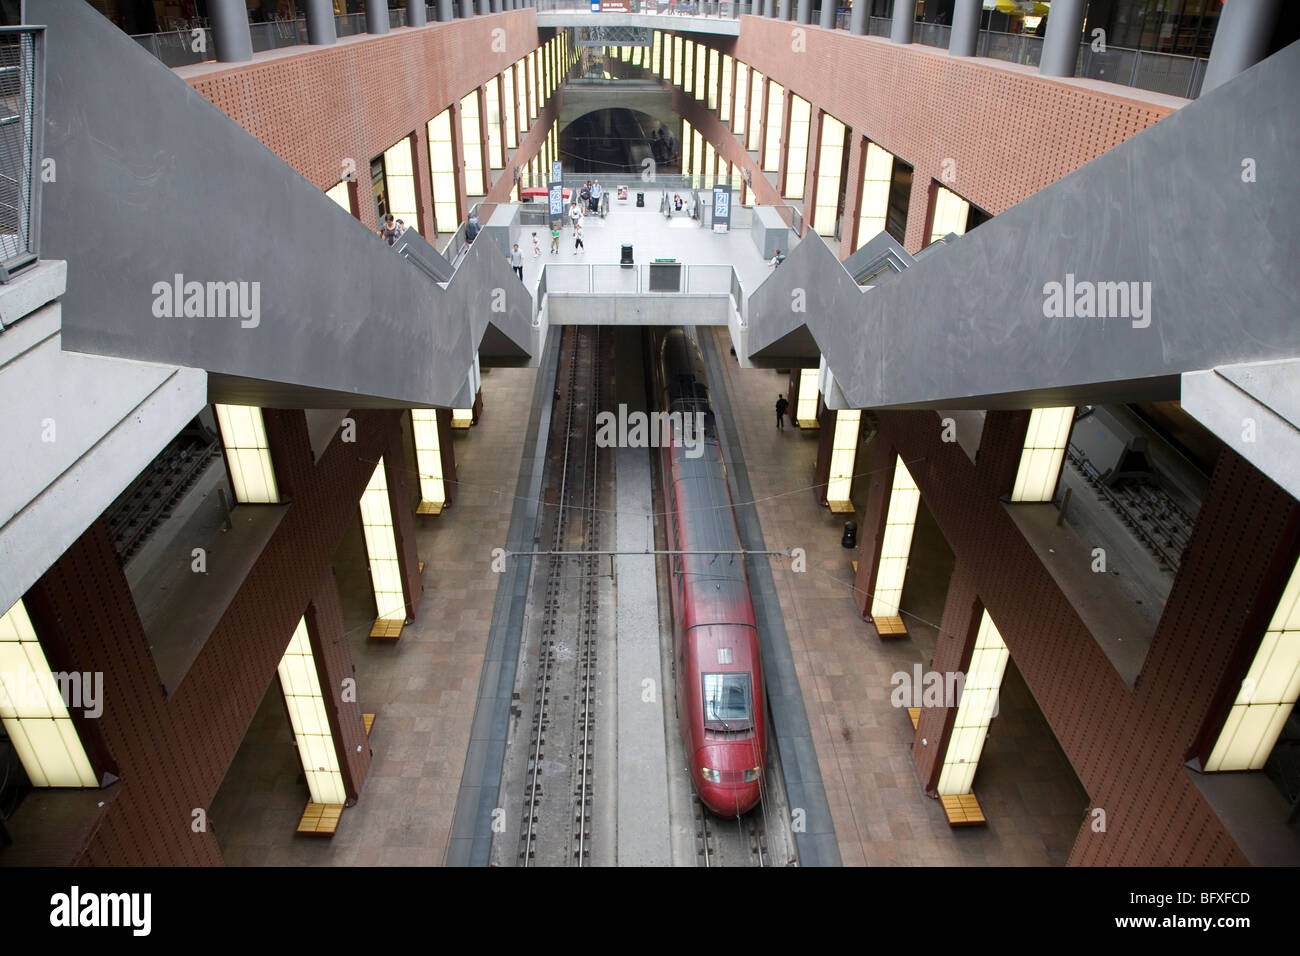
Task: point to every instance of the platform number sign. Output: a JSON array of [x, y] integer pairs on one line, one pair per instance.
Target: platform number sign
[[557, 171], [721, 208], [557, 200]]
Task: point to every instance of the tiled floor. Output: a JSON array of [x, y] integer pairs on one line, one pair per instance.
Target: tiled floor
[[1029, 793], [422, 688]]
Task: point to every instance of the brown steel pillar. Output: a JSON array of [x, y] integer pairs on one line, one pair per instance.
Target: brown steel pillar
[[952, 653], [871, 535], [1002, 442], [826, 419], [792, 395], [852, 192], [447, 452], [423, 181], [477, 408], [338, 684]]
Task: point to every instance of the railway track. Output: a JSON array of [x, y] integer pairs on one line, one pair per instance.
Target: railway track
[[559, 779], [739, 842]]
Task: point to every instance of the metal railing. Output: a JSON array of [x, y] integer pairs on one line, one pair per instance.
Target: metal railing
[[581, 278], [22, 122], [714, 9], [457, 246]]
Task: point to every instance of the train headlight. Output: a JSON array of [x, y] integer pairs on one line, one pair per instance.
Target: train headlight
[[753, 774], [711, 776]]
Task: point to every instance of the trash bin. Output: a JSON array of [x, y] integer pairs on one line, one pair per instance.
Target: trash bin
[[625, 259], [850, 539], [640, 200]]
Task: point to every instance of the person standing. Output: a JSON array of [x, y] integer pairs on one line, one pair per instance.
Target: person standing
[[575, 215], [781, 406], [537, 249], [388, 231], [596, 192], [517, 262], [577, 238], [555, 237]]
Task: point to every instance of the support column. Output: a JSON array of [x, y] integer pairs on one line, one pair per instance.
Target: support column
[[1061, 45], [401, 498], [377, 18], [900, 30], [787, 9], [417, 15], [858, 14], [338, 683], [827, 20], [965, 28], [321, 29], [872, 532], [769, 9], [484, 7], [448, 452], [230, 34], [446, 11], [494, 6], [803, 12], [423, 178], [1240, 40]]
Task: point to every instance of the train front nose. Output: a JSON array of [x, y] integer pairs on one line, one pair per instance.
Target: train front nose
[[729, 784]]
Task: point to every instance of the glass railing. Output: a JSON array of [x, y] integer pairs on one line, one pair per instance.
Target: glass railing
[[645, 278], [717, 9], [22, 83]]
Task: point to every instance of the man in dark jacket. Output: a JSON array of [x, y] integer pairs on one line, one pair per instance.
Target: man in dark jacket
[[781, 406]]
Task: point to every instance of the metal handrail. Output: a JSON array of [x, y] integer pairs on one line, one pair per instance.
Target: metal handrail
[[22, 51]]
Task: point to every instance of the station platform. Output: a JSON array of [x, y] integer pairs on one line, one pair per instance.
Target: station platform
[[1031, 798], [422, 688]]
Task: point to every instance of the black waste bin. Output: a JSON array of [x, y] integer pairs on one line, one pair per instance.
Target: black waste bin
[[625, 259], [640, 200], [850, 539]]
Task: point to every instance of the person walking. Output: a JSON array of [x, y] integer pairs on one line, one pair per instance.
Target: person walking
[[575, 215], [537, 249], [517, 262], [388, 230], [555, 237], [781, 406], [577, 239]]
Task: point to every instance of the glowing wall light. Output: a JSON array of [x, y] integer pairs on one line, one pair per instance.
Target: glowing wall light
[[656, 54], [687, 163], [830, 160], [531, 72], [950, 214], [796, 152], [243, 434], [755, 110], [877, 173], [806, 411], [710, 161], [399, 177], [701, 78], [714, 80], [471, 144], [381, 548], [492, 98], [688, 68], [697, 154], [428, 460], [844, 450], [775, 113], [33, 709], [508, 100], [739, 110], [896, 544], [1268, 693], [1040, 462], [339, 193], [978, 705], [724, 93], [521, 98], [311, 726]]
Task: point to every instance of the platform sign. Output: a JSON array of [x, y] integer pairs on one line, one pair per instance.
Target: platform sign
[[595, 6], [721, 208], [557, 200], [615, 6], [557, 171]]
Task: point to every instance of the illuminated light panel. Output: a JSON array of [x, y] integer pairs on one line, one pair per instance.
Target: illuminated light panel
[[428, 458], [471, 145], [738, 110], [877, 173], [508, 99], [844, 450], [492, 98], [710, 161], [950, 214], [381, 547], [896, 543], [688, 76], [687, 165], [755, 110], [830, 158], [531, 72], [243, 433], [462, 417], [978, 702], [311, 726], [806, 411], [697, 155], [339, 193], [521, 98], [656, 42], [33, 711], [1040, 462], [701, 78], [796, 153], [714, 79], [1267, 695], [399, 176], [775, 113]]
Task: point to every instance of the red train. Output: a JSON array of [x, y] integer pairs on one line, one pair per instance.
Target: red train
[[720, 696]]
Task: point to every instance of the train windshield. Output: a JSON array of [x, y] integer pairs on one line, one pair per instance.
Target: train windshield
[[728, 702]]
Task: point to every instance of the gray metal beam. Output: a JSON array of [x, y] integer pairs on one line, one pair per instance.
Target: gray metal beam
[[975, 325], [1061, 45], [965, 27], [231, 37], [175, 188], [377, 18], [321, 28], [417, 15], [1240, 40], [900, 29]]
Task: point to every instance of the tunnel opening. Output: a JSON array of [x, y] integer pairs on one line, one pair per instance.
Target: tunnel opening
[[611, 140]]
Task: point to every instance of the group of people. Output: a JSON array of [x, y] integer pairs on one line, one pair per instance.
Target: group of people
[[589, 195]]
